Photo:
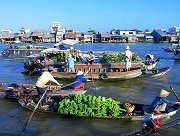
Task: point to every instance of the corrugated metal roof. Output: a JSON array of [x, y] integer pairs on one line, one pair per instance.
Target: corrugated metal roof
[[8, 35], [162, 33], [106, 35], [39, 32]]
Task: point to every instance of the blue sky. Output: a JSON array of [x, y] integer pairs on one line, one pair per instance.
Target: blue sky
[[101, 15]]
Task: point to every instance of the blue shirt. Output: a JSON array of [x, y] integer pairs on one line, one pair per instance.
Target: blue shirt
[[79, 79], [159, 101], [70, 62]]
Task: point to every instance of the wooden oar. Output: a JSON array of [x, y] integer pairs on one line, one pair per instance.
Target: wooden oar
[[92, 78], [28, 121], [68, 84], [175, 93]]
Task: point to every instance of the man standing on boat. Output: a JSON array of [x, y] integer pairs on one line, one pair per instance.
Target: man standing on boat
[[70, 63], [41, 83], [128, 55]]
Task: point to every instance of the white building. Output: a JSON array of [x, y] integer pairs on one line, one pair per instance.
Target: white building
[[127, 33], [23, 30], [174, 29], [59, 30], [6, 31]]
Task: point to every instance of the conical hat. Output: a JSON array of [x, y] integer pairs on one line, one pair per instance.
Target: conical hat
[[164, 93], [127, 48], [79, 73]]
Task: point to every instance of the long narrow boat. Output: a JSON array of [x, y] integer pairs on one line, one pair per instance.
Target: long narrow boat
[[169, 49], [22, 51], [156, 72], [13, 90], [138, 113], [103, 71]]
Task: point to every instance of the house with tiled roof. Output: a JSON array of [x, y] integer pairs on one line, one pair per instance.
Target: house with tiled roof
[[148, 37], [105, 37], [160, 36], [70, 35], [7, 36], [88, 37], [79, 36], [26, 37], [48, 38], [38, 34]]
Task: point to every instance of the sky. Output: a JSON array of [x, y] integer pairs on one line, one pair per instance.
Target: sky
[[80, 15]]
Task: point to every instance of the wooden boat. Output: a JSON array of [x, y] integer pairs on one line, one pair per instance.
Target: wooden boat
[[103, 71], [13, 90], [22, 51], [138, 113], [169, 49], [155, 72]]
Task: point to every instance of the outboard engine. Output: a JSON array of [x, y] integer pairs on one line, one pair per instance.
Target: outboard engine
[[151, 124]]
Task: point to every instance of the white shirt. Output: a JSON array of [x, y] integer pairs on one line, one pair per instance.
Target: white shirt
[[128, 54], [91, 57], [44, 78]]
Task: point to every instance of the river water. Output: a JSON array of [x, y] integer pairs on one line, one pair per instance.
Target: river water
[[139, 90]]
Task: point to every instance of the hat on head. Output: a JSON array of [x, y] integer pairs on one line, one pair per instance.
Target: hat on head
[[127, 48], [50, 68], [69, 55], [164, 93], [79, 73]]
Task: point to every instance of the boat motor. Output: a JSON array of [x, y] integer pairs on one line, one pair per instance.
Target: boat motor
[[151, 124]]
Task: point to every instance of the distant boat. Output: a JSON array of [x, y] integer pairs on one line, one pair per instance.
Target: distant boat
[[169, 49], [21, 51]]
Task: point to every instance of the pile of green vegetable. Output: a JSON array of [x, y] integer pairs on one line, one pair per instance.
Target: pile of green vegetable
[[88, 105], [33, 47], [62, 56], [118, 57]]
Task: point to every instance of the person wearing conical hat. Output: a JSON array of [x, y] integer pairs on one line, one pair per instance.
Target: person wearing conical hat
[[128, 55], [160, 103], [79, 81]]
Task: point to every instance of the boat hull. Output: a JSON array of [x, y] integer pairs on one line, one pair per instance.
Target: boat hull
[[138, 114], [9, 91], [156, 72]]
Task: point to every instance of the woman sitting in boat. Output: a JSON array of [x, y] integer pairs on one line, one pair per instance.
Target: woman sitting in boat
[[90, 58], [161, 104], [149, 59], [79, 81]]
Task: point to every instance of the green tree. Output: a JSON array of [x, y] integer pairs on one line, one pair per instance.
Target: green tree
[[91, 31]]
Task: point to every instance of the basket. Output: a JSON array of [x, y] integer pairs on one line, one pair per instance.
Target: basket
[[129, 107]]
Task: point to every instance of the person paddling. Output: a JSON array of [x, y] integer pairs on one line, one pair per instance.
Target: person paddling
[[161, 104], [79, 81], [41, 84]]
